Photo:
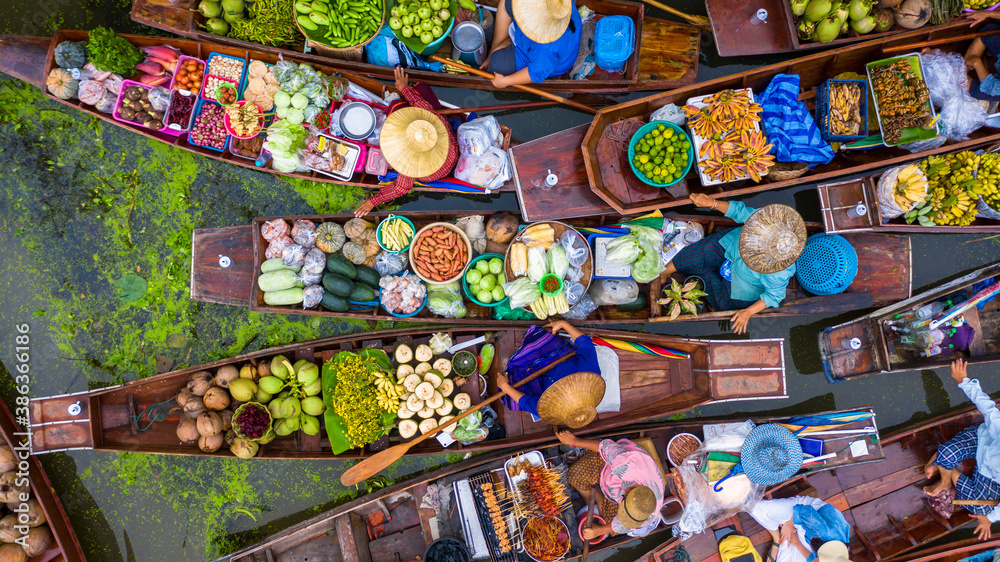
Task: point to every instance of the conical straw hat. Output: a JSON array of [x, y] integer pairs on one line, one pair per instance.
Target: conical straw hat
[[572, 400], [414, 142], [639, 504], [772, 238], [543, 21]]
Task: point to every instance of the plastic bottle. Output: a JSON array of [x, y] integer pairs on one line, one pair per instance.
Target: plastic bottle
[[911, 320], [936, 350]]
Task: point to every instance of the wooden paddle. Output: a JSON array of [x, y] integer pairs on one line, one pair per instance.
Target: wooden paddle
[[383, 459], [522, 87], [700, 21], [590, 520]]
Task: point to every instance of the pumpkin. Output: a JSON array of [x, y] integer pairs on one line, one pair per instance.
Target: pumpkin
[[370, 242], [61, 84], [330, 237], [355, 252], [355, 227], [70, 54]]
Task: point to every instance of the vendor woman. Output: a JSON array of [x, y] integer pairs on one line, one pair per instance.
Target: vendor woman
[[745, 268], [533, 40], [631, 486], [416, 142], [984, 83]]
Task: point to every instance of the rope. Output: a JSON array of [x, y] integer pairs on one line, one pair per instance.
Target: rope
[[676, 555], [154, 414], [621, 132]]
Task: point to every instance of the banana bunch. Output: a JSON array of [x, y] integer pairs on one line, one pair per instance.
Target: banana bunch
[[911, 186], [954, 185], [387, 392], [989, 176], [845, 109]]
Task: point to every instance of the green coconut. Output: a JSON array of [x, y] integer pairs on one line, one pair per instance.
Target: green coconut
[[883, 19], [806, 29], [799, 7], [864, 25], [858, 10], [817, 10], [827, 30]]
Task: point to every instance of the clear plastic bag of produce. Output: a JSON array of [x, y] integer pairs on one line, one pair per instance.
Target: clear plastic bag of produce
[[575, 246], [304, 233], [284, 70], [277, 246], [538, 264], [888, 207], [90, 92], [648, 266], [159, 98], [312, 296], [623, 249], [558, 263], [107, 103], [613, 291], [310, 112], [336, 87], [522, 292], [582, 309], [439, 343], [312, 89], [574, 275], [294, 255], [474, 227], [489, 171], [315, 262], [388, 263], [321, 100], [310, 279], [446, 300], [477, 136], [573, 293], [946, 78], [470, 429]]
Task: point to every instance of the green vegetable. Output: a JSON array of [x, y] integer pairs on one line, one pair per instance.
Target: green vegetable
[[623, 249], [368, 276], [283, 297], [276, 280], [275, 264], [363, 293], [112, 53], [349, 389], [303, 7], [338, 285], [486, 357], [334, 303], [306, 23], [336, 263], [558, 262]]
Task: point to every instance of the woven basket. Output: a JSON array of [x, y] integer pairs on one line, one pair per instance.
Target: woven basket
[[784, 171], [353, 53]]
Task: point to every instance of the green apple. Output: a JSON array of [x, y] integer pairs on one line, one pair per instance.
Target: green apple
[[488, 282], [407, 31], [412, 7], [444, 14], [426, 38], [497, 293], [395, 23], [473, 276], [496, 266], [395, 11], [424, 12], [437, 21], [437, 31], [435, 5], [426, 26]]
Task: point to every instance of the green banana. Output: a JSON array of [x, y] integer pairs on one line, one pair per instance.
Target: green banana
[[320, 7]]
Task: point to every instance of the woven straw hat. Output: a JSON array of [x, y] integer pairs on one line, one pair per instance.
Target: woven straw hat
[[572, 400], [770, 454], [639, 504], [414, 142], [772, 238], [543, 21], [833, 551]]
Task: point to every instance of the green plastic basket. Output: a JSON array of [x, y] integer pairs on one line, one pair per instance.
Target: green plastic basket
[[378, 234], [641, 133], [465, 284]]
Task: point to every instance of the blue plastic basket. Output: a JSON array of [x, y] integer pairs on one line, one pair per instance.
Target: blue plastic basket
[[614, 41], [827, 265], [823, 110], [194, 116]]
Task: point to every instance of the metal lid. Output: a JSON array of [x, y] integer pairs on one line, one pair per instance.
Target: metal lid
[[357, 120], [468, 36]]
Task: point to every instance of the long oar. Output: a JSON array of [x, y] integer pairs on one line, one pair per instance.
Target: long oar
[[590, 521], [522, 87], [383, 459], [700, 21]]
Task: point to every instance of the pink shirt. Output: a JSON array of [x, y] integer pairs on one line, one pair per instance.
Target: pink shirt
[[627, 464]]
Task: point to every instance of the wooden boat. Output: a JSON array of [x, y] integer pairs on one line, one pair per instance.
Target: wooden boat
[[883, 276], [600, 180], [107, 419], [879, 353], [65, 547], [665, 56], [342, 530], [884, 503], [837, 198], [31, 59]]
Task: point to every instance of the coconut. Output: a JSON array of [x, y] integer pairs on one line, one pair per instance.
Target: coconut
[[187, 430], [883, 19], [194, 407], [248, 372], [806, 29], [227, 419], [200, 382], [817, 10], [502, 227], [36, 516], [858, 9], [216, 399], [210, 443], [799, 7], [9, 490], [230, 437], [889, 4], [268, 437], [7, 532], [244, 449], [912, 14], [8, 461], [13, 553], [183, 396], [209, 423], [827, 30], [264, 369], [39, 540], [863, 26], [225, 375]]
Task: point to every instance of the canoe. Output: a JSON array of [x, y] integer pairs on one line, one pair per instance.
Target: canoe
[[837, 198], [883, 278], [600, 181], [878, 352], [666, 53], [343, 529], [716, 370], [883, 503], [66, 546], [31, 58]]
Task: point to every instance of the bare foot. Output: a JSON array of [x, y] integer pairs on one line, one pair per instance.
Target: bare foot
[[930, 468], [944, 484]]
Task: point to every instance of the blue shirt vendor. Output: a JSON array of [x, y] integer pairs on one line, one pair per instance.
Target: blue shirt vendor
[[533, 40]]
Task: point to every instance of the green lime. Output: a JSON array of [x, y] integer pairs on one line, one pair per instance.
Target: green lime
[[660, 126], [644, 158]]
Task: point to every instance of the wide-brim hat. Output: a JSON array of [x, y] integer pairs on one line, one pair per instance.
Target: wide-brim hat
[[414, 142], [833, 551], [772, 238], [543, 21], [572, 400], [638, 505], [770, 454]]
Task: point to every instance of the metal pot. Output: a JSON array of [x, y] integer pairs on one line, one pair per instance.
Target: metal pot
[[355, 108], [468, 43]]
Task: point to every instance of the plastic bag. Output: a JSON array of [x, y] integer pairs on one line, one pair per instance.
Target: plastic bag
[[315, 262], [284, 70], [90, 92], [388, 263], [310, 112], [582, 309], [576, 248], [947, 81], [538, 265], [558, 263], [446, 300], [573, 275], [312, 295], [277, 246], [159, 98], [522, 292], [888, 207], [310, 279], [669, 112], [293, 255], [304, 233], [491, 170], [477, 136], [439, 343], [613, 291], [623, 249], [474, 227], [107, 103], [573, 293]]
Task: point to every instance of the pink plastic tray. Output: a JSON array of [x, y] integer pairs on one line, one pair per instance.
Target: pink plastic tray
[[180, 61], [126, 84]]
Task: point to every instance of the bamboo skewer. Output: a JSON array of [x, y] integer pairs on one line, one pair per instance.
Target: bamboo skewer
[[700, 21]]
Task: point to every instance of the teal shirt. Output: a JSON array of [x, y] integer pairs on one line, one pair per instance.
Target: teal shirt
[[748, 285]]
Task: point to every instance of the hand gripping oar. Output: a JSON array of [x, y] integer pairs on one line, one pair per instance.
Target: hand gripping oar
[[590, 520], [383, 459], [522, 87]]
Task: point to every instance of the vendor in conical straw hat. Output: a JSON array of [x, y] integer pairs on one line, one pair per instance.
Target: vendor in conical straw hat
[[533, 40], [745, 268], [416, 142]]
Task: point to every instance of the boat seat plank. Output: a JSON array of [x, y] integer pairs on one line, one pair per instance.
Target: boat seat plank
[[874, 515], [669, 56], [408, 544], [321, 547], [643, 370], [612, 157], [845, 363], [736, 36], [210, 281], [989, 320], [836, 198], [897, 459], [880, 485], [352, 539], [879, 273]]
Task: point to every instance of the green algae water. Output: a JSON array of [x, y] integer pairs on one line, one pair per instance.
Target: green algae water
[[87, 205]]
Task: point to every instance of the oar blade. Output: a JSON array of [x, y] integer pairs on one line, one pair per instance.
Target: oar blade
[[373, 465]]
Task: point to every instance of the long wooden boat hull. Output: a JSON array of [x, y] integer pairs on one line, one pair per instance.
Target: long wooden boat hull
[[878, 354], [651, 387], [883, 277], [600, 181], [31, 59], [884, 503], [666, 54], [342, 529]]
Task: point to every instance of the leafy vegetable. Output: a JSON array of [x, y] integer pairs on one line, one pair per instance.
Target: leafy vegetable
[[285, 141], [648, 266], [112, 53], [624, 249], [558, 262]]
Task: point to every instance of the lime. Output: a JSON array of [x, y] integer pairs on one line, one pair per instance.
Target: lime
[[488, 282], [644, 158], [669, 133], [473, 276], [660, 127], [484, 297], [483, 266], [496, 266], [497, 293]]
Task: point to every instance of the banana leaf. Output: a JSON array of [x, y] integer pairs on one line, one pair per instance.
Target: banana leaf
[[336, 427]]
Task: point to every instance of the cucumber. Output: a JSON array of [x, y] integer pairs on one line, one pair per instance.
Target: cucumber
[[336, 263], [275, 264], [363, 293], [276, 280], [640, 303], [306, 23], [284, 296], [334, 303], [367, 275], [338, 284]]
